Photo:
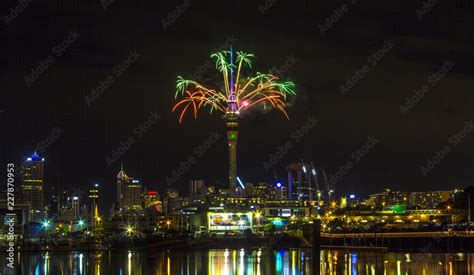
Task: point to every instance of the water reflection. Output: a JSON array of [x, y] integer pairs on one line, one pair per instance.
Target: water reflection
[[240, 262]]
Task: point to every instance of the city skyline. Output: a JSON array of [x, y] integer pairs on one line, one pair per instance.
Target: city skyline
[[237, 137], [303, 182], [282, 177], [77, 136]]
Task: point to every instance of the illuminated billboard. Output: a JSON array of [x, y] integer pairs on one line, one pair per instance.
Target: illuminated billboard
[[229, 221]]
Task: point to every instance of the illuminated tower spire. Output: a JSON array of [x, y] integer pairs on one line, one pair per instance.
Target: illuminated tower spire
[[232, 122], [238, 94]]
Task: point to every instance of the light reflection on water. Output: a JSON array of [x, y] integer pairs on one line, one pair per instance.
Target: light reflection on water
[[240, 262]]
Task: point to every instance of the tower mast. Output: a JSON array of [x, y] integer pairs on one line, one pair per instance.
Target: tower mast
[[231, 119]]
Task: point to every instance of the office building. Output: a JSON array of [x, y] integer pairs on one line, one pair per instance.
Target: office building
[[32, 186]]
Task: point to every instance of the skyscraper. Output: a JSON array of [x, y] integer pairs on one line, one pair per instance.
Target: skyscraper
[[132, 199], [300, 177], [170, 202], [129, 192], [94, 202], [122, 179], [70, 206], [33, 184]]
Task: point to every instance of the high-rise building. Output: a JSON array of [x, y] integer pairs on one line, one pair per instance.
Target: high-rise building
[[170, 202], [94, 203], [122, 179], [33, 184], [132, 199], [69, 207], [303, 182]]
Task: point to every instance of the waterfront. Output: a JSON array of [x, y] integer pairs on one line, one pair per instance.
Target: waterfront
[[239, 261]]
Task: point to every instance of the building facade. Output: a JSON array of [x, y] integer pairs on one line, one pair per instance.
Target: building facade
[[32, 186]]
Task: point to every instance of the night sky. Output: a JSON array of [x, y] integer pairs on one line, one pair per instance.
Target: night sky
[[412, 47]]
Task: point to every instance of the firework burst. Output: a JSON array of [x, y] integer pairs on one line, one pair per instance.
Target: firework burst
[[238, 94]]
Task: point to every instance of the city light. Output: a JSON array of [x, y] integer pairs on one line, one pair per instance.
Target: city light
[[46, 224], [378, 98]]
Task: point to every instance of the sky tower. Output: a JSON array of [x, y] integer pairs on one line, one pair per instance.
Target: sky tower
[[239, 94], [231, 119]]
